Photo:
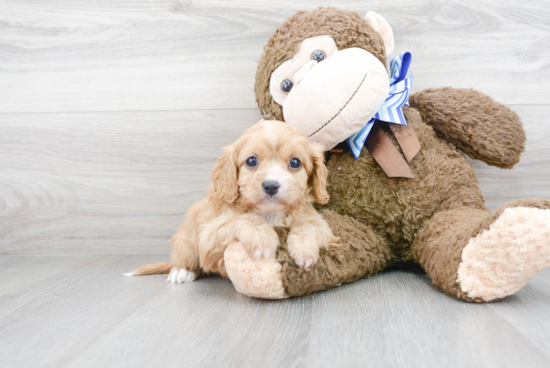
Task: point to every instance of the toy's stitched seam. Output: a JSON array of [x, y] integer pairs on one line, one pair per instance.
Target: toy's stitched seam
[[343, 107]]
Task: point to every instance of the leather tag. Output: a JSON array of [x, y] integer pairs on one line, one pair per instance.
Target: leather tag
[[386, 154], [407, 139]]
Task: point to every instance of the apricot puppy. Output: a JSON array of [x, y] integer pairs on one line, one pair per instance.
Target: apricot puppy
[[269, 177]]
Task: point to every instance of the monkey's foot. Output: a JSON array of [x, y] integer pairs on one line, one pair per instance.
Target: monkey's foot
[[259, 278], [500, 260]]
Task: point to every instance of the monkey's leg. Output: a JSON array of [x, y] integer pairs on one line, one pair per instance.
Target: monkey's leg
[[359, 253], [481, 257]]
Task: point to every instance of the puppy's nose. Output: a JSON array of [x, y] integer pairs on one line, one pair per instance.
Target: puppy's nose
[[271, 187]]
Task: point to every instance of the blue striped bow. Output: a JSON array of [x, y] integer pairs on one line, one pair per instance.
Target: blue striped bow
[[392, 109]]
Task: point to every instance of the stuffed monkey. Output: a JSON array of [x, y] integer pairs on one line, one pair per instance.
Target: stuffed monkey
[[410, 195]]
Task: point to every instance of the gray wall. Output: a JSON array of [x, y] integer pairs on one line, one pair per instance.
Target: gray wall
[[112, 113]]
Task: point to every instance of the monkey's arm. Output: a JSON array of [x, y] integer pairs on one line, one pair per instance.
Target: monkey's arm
[[481, 127], [359, 253]]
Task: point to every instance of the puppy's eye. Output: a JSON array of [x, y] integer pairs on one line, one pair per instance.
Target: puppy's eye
[[251, 161], [286, 85], [295, 163], [318, 55]]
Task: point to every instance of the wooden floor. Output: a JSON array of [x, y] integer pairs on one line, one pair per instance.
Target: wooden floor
[[112, 114], [79, 311]]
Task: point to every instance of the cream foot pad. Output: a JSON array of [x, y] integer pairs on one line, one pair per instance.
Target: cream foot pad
[[500, 260]]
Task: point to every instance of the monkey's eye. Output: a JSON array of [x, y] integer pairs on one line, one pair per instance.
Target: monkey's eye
[[251, 161], [295, 163], [286, 85], [318, 55]]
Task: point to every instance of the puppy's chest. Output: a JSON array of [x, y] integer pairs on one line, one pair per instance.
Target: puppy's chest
[[278, 219]]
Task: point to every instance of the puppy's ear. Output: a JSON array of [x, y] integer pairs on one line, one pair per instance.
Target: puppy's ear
[[319, 174], [224, 176]]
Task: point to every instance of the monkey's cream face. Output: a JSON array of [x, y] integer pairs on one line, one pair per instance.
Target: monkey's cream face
[[329, 94]]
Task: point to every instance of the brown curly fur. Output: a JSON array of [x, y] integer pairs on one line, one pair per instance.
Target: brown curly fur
[[361, 253], [396, 208], [383, 221], [473, 122], [438, 246]]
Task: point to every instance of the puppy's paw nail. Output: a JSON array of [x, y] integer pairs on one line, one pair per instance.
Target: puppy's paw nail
[[304, 262], [258, 253], [299, 262]]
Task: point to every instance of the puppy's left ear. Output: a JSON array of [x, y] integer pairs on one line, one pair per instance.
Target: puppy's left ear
[[319, 174], [224, 176]]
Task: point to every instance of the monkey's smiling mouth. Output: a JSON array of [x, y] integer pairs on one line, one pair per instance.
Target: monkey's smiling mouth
[[337, 97], [343, 107]]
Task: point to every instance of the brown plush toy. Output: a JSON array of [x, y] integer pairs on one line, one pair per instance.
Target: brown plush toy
[[410, 196]]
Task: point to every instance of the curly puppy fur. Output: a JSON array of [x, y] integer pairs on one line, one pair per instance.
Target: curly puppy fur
[[240, 206]]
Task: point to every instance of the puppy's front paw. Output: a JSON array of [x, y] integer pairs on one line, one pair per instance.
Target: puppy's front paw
[[179, 275], [260, 241], [303, 249]]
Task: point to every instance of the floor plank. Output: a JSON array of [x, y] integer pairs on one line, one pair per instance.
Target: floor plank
[[532, 303], [90, 315], [167, 55], [69, 312], [25, 279], [402, 318]]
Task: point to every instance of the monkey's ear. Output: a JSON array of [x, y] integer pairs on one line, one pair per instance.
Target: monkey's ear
[[380, 25]]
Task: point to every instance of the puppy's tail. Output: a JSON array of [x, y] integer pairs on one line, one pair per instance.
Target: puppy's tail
[[151, 269]]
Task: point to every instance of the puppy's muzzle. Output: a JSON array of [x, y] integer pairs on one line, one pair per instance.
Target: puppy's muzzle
[[271, 187]]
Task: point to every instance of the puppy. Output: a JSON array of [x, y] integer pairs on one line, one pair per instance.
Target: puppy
[[269, 177]]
